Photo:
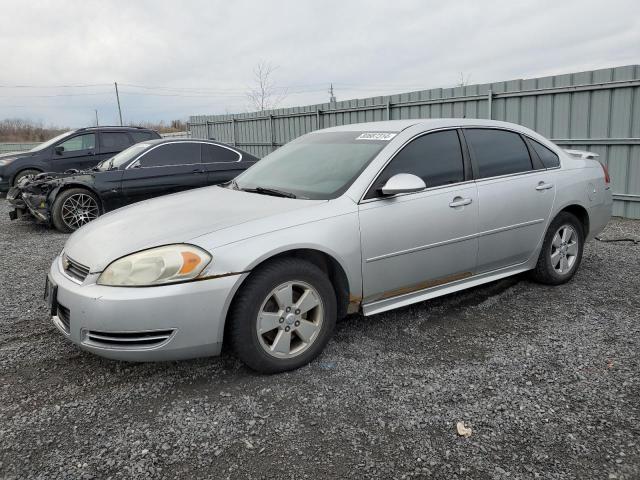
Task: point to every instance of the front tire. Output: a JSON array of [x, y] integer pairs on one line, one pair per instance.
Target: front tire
[[561, 251], [73, 208], [283, 316]]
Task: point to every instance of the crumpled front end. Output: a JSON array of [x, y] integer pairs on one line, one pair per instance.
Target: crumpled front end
[[30, 198]]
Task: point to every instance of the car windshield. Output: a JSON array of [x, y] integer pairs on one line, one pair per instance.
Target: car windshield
[[123, 157], [50, 142], [317, 166]]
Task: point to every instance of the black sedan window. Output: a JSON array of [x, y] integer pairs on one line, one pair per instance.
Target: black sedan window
[[216, 154], [181, 153]]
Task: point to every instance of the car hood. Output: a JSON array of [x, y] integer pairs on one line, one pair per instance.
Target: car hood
[[55, 179], [176, 218], [15, 154]]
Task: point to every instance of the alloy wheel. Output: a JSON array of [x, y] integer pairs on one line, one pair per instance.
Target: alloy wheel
[[79, 209], [564, 249], [290, 319]]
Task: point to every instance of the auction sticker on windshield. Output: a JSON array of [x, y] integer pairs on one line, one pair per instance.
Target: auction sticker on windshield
[[376, 136]]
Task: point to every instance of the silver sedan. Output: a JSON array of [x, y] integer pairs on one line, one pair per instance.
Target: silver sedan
[[358, 218]]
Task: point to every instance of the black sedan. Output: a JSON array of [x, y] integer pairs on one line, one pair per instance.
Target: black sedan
[[145, 170]]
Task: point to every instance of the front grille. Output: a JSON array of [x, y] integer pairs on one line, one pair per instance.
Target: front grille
[[74, 269], [64, 315], [128, 339]]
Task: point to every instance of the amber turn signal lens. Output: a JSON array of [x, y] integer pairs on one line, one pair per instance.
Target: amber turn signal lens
[[190, 261]]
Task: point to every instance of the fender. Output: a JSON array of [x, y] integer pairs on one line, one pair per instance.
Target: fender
[[53, 194]]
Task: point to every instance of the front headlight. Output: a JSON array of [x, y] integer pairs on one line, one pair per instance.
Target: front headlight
[[6, 161], [156, 266]]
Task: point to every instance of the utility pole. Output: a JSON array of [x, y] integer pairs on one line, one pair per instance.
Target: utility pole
[[332, 97], [118, 99], [96, 110]]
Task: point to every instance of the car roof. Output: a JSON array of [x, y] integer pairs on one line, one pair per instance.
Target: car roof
[[427, 124], [155, 141], [115, 127]]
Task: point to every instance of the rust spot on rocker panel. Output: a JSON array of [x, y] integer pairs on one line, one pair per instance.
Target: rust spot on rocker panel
[[418, 286], [354, 304]]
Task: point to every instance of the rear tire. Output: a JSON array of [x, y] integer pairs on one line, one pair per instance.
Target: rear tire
[[73, 208], [561, 251], [283, 316], [24, 173]]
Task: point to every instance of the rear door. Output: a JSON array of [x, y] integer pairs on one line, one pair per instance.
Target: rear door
[[77, 152], [167, 168], [112, 143], [514, 197], [222, 163]]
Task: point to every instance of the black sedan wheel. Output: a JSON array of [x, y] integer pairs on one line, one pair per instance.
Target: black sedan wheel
[[74, 208]]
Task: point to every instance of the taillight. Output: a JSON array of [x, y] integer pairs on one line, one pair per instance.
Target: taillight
[[607, 179]]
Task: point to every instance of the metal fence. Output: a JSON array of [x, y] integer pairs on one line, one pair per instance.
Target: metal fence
[[597, 110], [16, 147]]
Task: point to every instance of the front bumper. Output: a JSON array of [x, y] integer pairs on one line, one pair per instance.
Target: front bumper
[[168, 322]]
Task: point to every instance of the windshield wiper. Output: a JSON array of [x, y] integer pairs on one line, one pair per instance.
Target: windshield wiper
[[269, 191]]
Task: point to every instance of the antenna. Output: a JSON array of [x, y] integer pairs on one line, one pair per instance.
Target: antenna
[[332, 97]]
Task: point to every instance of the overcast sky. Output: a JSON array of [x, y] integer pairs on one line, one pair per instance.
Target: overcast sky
[[202, 53]]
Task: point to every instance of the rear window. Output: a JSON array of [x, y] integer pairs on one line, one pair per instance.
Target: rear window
[[217, 154], [114, 142], [498, 152], [549, 159], [142, 136]]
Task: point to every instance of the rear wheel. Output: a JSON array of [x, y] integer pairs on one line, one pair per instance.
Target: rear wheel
[[283, 316], [74, 208], [561, 252], [24, 173]]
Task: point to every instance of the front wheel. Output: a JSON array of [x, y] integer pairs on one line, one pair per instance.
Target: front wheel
[[283, 316], [74, 208], [561, 251]]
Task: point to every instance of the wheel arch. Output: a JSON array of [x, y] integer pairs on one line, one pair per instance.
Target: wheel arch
[[22, 169], [68, 186], [581, 214], [328, 263]]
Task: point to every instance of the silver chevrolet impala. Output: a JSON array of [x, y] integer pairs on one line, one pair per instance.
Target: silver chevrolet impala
[[358, 218]]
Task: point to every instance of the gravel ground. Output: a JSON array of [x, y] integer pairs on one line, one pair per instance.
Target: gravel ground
[[547, 378]]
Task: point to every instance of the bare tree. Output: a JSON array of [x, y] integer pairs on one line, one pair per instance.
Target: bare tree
[[464, 80], [265, 94]]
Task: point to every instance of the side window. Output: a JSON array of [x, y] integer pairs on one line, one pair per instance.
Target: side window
[[214, 153], [435, 157], [549, 159], [141, 136], [498, 152], [114, 142], [81, 142], [172, 154]]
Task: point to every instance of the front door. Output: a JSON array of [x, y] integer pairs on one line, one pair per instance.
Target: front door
[[514, 198], [77, 152], [421, 240], [167, 168]]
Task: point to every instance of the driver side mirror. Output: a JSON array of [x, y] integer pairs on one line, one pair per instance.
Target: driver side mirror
[[403, 183], [59, 149]]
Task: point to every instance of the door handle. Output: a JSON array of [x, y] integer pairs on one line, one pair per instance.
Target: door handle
[[460, 202], [198, 171], [544, 186]]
